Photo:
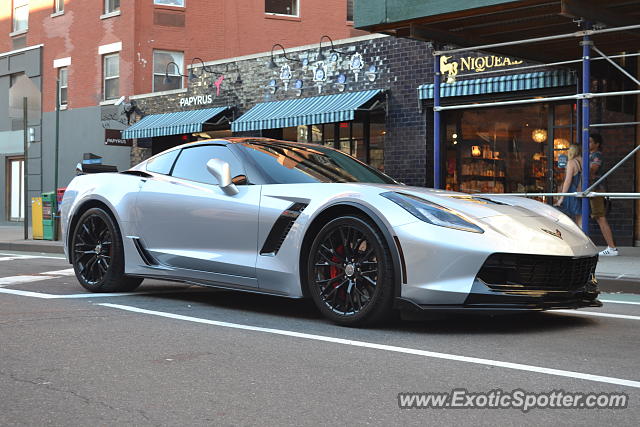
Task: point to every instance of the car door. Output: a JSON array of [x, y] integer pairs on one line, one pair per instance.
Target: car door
[[186, 222]]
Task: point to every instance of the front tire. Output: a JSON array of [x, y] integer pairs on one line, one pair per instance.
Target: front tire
[[98, 255], [350, 272]]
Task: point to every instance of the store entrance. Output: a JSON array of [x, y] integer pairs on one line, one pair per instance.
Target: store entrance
[[508, 150]]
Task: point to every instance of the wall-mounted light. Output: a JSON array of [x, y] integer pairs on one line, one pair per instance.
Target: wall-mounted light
[[333, 58], [167, 78], [272, 63], [192, 74]]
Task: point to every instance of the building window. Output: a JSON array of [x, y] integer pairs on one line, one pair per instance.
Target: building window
[[282, 7], [63, 78], [111, 72], [58, 6], [111, 6], [166, 76], [20, 15], [349, 10], [179, 3]]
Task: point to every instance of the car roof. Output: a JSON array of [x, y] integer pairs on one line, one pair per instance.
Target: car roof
[[245, 140]]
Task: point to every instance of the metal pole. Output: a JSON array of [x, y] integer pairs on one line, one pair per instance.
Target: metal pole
[[436, 122], [602, 125], [603, 177], [586, 111], [536, 100], [621, 69], [26, 168], [538, 39], [55, 177]]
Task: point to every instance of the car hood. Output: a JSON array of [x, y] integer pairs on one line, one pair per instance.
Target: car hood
[[479, 206]]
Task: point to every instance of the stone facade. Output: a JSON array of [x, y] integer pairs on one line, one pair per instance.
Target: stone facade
[[401, 66]]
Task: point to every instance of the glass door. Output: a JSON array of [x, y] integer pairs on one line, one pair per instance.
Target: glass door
[[15, 187]]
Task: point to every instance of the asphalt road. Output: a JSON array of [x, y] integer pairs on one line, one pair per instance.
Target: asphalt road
[[171, 354]]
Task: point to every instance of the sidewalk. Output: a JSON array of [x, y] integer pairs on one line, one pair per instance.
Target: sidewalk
[[626, 266], [12, 239]]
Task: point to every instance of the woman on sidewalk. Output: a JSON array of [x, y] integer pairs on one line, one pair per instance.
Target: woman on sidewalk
[[571, 205]]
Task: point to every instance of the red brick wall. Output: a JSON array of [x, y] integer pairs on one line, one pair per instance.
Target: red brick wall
[[212, 30]]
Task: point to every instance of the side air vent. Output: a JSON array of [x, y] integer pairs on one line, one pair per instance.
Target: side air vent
[[144, 254], [281, 229]]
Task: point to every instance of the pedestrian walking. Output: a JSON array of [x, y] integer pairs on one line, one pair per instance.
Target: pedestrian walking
[[598, 211], [571, 205]]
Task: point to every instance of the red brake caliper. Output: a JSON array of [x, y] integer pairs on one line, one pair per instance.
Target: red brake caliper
[[335, 271]]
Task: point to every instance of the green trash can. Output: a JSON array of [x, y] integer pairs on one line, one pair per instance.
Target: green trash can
[[49, 215]]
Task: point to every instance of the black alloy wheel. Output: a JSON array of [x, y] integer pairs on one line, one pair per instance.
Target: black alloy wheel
[[350, 272], [97, 254]]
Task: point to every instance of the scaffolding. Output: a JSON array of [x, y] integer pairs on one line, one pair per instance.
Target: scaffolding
[[583, 97]]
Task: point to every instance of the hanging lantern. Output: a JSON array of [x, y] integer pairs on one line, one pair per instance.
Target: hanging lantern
[[539, 135]]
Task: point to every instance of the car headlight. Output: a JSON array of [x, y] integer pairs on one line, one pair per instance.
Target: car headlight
[[432, 213]]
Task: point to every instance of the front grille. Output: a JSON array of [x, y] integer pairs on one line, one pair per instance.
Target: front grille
[[536, 274]]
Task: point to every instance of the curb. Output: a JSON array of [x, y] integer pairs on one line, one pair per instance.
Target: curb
[[622, 277], [32, 247]]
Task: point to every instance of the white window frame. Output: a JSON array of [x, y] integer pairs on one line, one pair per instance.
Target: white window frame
[[283, 14], [162, 3], [63, 105], [58, 7], [109, 8], [105, 78], [172, 71], [19, 4]]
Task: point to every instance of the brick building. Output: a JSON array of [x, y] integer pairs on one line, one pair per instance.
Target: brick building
[[103, 50]]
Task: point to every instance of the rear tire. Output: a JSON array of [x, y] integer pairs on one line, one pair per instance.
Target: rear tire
[[350, 272], [98, 254]]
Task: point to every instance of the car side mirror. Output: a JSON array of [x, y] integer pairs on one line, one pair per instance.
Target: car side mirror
[[222, 172]]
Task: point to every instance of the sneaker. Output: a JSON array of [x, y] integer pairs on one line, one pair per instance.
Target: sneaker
[[609, 252]]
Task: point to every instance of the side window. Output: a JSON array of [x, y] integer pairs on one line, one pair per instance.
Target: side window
[[162, 163], [192, 163]]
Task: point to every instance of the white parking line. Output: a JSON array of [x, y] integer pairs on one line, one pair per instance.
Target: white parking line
[[405, 350], [597, 314], [42, 295], [20, 256], [15, 280], [620, 302], [65, 272]]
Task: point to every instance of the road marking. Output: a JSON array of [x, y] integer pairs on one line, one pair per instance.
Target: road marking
[[597, 314], [413, 351], [65, 272], [15, 280], [42, 295], [620, 302], [11, 258], [20, 256]]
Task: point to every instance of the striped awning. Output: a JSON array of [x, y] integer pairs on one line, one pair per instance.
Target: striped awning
[[172, 123], [509, 83], [303, 111]]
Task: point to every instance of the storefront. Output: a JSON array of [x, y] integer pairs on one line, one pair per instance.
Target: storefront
[[352, 122], [512, 149]]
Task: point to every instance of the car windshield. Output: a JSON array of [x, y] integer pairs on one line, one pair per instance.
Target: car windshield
[[285, 163]]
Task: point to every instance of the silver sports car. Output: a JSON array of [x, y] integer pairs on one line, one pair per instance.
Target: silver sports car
[[307, 221]]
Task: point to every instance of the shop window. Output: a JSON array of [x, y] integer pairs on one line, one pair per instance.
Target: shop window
[[376, 146], [192, 163], [282, 7], [179, 3], [63, 79], [58, 6], [111, 72], [167, 70], [20, 15], [111, 6], [350, 10], [498, 150]]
